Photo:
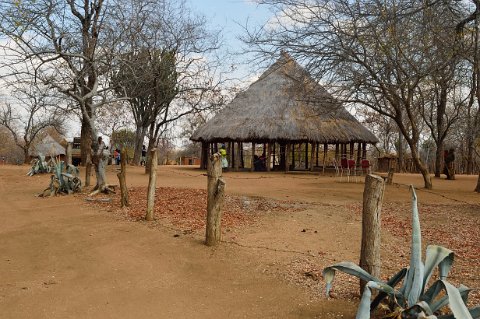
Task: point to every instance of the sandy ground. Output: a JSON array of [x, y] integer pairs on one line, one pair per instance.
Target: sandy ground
[[63, 258]]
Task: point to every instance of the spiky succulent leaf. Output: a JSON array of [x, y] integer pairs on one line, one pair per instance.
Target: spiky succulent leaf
[[474, 312], [437, 256], [363, 311], [413, 284], [346, 267], [443, 301]]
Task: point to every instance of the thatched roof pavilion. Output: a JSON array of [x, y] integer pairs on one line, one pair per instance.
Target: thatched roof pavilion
[[285, 106]]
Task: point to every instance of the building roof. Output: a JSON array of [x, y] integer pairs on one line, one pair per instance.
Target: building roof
[[284, 104], [48, 147]]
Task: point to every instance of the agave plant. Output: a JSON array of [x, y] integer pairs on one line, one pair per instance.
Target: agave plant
[[412, 299]]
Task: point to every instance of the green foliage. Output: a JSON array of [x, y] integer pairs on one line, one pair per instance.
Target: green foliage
[[413, 299]]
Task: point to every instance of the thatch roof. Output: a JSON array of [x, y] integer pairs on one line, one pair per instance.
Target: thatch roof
[[284, 104], [48, 147]]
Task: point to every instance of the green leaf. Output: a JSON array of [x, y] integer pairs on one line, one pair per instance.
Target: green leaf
[[435, 256], [346, 267], [454, 300]]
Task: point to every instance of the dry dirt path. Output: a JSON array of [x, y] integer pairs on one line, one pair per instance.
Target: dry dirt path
[[62, 259]]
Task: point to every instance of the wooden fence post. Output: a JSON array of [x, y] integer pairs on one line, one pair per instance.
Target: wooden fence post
[[390, 176], [152, 184], [372, 207], [122, 179], [215, 197]]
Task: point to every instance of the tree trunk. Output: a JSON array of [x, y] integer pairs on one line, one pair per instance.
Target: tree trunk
[[401, 154], [215, 197], [237, 156], [427, 180], [85, 140], [69, 153], [371, 222], [439, 158], [122, 179], [25, 155], [88, 170], [150, 148], [140, 133], [152, 184]]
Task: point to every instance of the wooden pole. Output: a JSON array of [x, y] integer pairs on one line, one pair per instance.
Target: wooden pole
[[237, 156], [306, 155], [359, 154], [242, 161], [337, 152], [253, 158], [268, 161], [287, 157], [364, 150], [293, 155], [325, 150], [122, 179], [317, 152], [352, 149], [215, 197], [152, 184], [371, 222], [391, 170], [312, 156]]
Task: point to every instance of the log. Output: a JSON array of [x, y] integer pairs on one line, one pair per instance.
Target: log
[[372, 207], [252, 168], [152, 184], [122, 179], [215, 198]]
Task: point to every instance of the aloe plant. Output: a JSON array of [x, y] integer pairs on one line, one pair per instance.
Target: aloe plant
[[413, 299]]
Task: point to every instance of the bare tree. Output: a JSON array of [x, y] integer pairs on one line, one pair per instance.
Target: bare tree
[[34, 111], [377, 54], [62, 40], [169, 65]]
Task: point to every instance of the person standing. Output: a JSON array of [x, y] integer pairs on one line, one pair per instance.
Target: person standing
[[223, 153], [143, 161]]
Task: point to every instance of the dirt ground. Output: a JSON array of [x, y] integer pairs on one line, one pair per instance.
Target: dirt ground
[[62, 257]]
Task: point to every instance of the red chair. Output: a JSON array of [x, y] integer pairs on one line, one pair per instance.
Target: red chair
[[365, 166]]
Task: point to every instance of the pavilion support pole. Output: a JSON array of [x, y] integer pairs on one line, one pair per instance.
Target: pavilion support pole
[[312, 155], [242, 161], [316, 151], [287, 155], [336, 151], [232, 155], [274, 154], [292, 160], [364, 150], [306, 155], [352, 149], [268, 160], [252, 167], [204, 156], [237, 157], [325, 150], [359, 153]]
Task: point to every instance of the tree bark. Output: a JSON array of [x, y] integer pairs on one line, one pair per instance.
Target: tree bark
[[439, 159], [122, 179], [140, 133], [85, 140], [215, 198], [237, 156], [69, 153], [88, 170], [152, 183], [371, 230]]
